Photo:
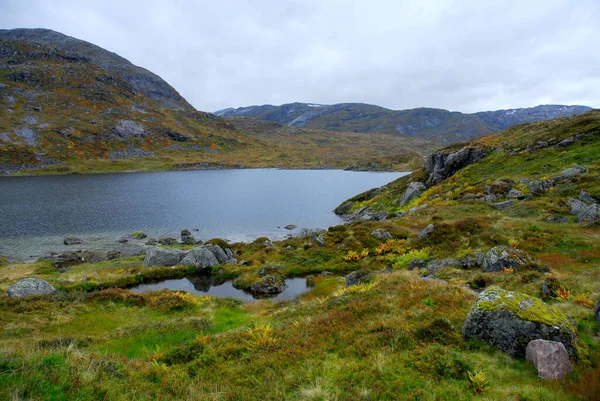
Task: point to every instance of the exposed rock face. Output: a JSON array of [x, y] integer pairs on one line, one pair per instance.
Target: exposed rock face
[[550, 358], [585, 212], [381, 234], [413, 191], [162, 257], [358, 277], [219, 253], [503, 257], [426, 231], [436, 265], [271, 284], [510, 320], [30, 286], [569, 173], [441, 166], [539, 187]]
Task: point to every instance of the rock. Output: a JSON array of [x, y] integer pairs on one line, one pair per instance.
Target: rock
[[128, 128], [269, 285], [441, 166], [185, 232], [290, 226], [557, 219], [138, 235], [417, 264], [550, 358], [539, 187], [310, 232], [476, 197], [416, 209], [510, 320], [218, 252], [366, 214], [413, 191], [188, 240], [500, 187], [569, 173], [546, 289], [586, 197], [30, 286], [426, 231], [584, 212], [270, 269], [504, 257], [436, 265], [326, 273], [202, 258], [502, 205], [110, 255], [228, 253], [122, 240], [167, 241], [320, 239], [473, 260], [490, 198], [162, 257], [515, 194], [72, 241], [195, 229], [381, 234], [358, 277], [152, 241]]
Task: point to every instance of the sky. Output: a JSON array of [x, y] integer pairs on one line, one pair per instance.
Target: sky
[[463, 55]]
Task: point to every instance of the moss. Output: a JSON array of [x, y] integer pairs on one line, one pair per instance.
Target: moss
[[524, 307]]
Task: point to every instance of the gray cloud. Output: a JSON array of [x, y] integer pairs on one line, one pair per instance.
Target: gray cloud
[[466, 55]]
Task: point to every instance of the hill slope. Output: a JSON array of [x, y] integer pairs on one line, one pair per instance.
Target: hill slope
[[440, 125]]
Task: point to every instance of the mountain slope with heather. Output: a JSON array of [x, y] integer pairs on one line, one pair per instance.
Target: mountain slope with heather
[[439, 125]]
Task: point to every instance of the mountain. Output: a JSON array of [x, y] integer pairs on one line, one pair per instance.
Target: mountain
[[440, 125]]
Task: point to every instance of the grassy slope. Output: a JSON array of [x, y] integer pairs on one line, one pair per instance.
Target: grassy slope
[[395, 338]]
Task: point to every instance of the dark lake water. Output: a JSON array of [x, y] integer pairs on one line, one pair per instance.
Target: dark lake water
[[201, 285], [36, 213]]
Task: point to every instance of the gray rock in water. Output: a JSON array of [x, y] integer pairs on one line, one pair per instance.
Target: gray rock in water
[[202, 258], [584, 212], [72, 241], [413, 191], [358, 277], [162, 257], [290, 226], [539, 186], [584, 196], [473, 260], [504, 257], [269, 285], [381, 234], [503, 205], [597, 311], [426, 231], [510, 320], [515, 194], [550, 358], [30, 286], [569, 173], [436, 265]]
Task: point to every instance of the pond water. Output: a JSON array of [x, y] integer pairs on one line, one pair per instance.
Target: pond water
[[205, 285], [36, 213]]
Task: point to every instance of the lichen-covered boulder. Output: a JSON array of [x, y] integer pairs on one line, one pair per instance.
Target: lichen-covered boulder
[[162, 257], [30, 286], [550, 358], [270, 284], [510, 320], [504, 257], [414, 190], [358, 277]]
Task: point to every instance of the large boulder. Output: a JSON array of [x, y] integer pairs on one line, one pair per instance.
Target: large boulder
[[162, 257], [550, 358], [539, 186], [414, 190], [202, 258], [442, 165], [569, 173], [366, 214], [187, 237], [222, 256], [30, 286], [584, 211], [504, 257], [510, 320], [270, 284]]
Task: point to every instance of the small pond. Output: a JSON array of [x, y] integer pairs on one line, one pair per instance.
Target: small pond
[[206, 285]]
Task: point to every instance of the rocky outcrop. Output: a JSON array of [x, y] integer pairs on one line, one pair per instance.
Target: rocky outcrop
[[413, 191], [510, 320], [504, 257], [381, 234], [358, 277], [569, 173], [585, 212], [162, 257], [443, 165], [187, 237], [366, 214], [29, 287], [550, 358], [270, 284], [473, 260]]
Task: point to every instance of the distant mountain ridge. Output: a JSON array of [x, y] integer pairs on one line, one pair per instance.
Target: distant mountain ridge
[[438, 124]]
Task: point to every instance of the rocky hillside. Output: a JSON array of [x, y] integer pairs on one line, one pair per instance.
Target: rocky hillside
[[440, 125]]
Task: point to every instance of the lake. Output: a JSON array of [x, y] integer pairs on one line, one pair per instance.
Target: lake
[[36, 213]]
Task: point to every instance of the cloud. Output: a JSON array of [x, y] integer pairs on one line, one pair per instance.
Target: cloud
[[461, 55]]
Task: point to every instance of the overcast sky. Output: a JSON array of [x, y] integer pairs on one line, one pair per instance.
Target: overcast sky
[[469, 55]]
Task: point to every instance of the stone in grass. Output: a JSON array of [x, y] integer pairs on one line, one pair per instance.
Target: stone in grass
[[503, 205], [358, 277], [435, 265], [30, 286], [426, 231], [72, 241], [381, 234], [504, 257], [510, 320], [162, 257], [550, 358]]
